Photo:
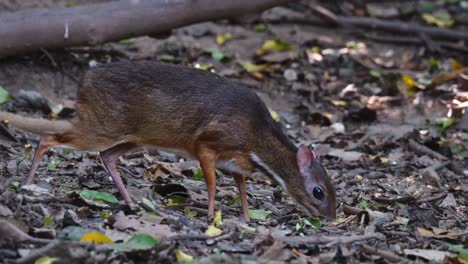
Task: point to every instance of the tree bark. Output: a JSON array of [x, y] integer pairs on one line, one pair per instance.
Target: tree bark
[[32, 29]]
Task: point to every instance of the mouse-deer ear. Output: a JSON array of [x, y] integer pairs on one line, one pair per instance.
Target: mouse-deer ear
[[305, 156]]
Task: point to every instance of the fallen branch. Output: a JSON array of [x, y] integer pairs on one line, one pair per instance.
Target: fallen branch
[[415, 146], [33, 29], [330, 240], [390, 256], [323, 17], [431, 198], [401, 27]]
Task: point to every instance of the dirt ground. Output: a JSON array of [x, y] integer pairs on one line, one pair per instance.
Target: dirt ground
[[395, 150]]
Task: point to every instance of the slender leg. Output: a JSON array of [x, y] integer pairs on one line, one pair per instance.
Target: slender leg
[[240, 181], [207, 160], [44, 144], [109, 158]]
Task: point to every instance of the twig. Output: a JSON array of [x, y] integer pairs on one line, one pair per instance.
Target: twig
[[4, 130], [390, 256], [35, 254], [372, 66], [442, 165], [331, 240], [47, 199], [219, 238], [201, 211], [188, 237], [361, 214], [323, 17], [51, 59], [403, 199], [415, 146], [324, 14], [431, 198]]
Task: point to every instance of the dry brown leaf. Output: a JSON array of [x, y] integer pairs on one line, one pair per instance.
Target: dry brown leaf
[[161, 170], [439, 233], [145, 224]]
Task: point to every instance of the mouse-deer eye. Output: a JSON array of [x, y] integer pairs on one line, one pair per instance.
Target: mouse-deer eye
[[318, 193]]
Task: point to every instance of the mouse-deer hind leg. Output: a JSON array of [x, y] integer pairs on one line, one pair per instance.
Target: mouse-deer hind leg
[[242, 187], [109, 158], [47, 141]]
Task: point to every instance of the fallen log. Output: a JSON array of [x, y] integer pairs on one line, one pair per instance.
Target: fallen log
[[33, 29]]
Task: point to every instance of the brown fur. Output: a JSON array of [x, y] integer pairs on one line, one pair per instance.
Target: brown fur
[[170, 106]]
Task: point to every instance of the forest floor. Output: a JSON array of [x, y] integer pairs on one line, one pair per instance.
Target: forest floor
[[388, 122]]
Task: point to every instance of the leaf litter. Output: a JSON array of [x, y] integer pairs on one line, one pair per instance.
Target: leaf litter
[[388, 123]]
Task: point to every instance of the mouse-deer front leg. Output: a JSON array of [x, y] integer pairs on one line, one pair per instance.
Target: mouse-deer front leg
[[207, 158]]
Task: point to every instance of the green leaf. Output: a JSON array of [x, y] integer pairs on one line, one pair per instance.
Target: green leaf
[[175, 200], [199, 175], [462, 252], [433, 64], [250, 67], [205, 67], [142, 241], [298, 226], [234, 201], [260, 27], [375, 73], [248, 228], [259, 214], [53, 163], [458, 249], [46, 260], [183, 257], [223, 38], [190, 213], [74, 233], [218, 218], [48, 221], [15, 185], [98, 196], [218, 55], [364, 204], [4, 95], [148, 203], [439, 18], [127, 41], [70, 4], [105, 214], [274, 45], [166, 58], [312, 222], [464, 136], [444, 122], [136, 242], [274, 115], [213, 231], [352, 44]]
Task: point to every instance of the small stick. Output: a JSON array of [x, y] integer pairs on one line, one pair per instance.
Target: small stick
[[431, 198], [390, 256], [361, 214], [189, 237], [331, 239], [4, 130], [403, 199], [425, 150]]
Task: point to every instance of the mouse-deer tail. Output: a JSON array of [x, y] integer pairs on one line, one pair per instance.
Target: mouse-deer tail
[[35, 125]]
